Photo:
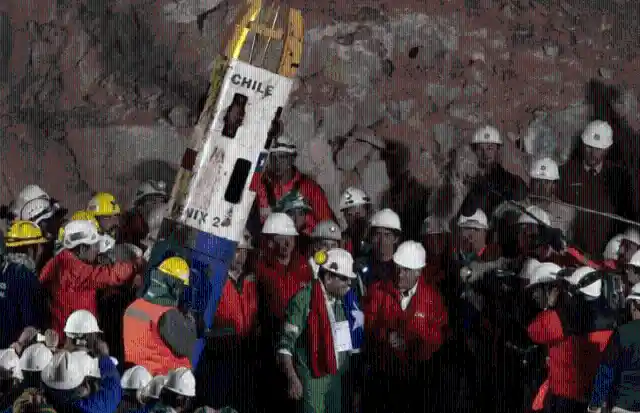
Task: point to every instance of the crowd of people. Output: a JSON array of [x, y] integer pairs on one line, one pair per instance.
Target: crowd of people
[[528, 300]]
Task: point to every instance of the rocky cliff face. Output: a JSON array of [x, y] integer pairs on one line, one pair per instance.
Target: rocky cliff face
[[98, 95]]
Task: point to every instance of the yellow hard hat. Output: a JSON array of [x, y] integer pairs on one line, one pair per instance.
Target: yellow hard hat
[[103, 205], [24, 233], [176, 267]]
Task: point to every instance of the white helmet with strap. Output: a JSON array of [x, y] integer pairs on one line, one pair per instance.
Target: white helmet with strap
[[537, 212], [593, 289], [545, 169], [80, 233], [35, 358], [411, 255], [135, 378], [279, 223], [150, 187], [543, 273], [336, 260], [385, 218], [327, 229], [598, 134], [476, 221], [612, 250], [352, 197], [81, 322], [487, 134], [182, 382], [64, 372]]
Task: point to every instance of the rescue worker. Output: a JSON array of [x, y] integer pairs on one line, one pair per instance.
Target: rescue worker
[[405, 325], [80, 328], [20, 293], [72, 278], [385, 232], [149, 395], [281, 272], [132, 382], [632, 272], [611, 253], [325, 236], [282, 177], [106, 245], [294, 205], [589, 282], [315, 342], [540, 278], [66, 388], [616, 381], [544, 177], [492, 177], [589, 181], [436, 240], [177, 395], [629, 245], [356, 207], [229, 359], [34, 204], [573, 359], [156, 333], [104, 207], [153, 220], [32, 361], [149, 195]]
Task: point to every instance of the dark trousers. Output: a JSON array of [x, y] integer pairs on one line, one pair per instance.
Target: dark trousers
[[557, 404]]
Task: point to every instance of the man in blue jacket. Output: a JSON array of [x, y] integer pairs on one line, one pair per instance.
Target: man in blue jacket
[[20, 293], [618, 378]]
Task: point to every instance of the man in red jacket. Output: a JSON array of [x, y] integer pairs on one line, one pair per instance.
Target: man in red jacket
[[72, 278], [405, 324], [282, 177]]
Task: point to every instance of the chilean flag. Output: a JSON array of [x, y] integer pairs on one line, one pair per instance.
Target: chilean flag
[[356, 319]]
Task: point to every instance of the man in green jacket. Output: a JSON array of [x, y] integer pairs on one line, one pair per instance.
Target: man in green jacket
[[315, 342]]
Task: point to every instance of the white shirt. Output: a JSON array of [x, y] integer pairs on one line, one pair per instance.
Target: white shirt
[[406, 297]]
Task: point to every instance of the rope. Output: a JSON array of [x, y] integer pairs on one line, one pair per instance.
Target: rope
[[587, 210]]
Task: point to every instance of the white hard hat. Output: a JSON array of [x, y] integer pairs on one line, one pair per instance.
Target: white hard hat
[[279, 223], [543, 273], [150, 187], [135, 378], [528, 268], [478, 220], [635, 293], [352, 197], [36, 210], [434, 225], [386, 218], [592, 290], [9, 359], [336, 260], [546, 169], [80, 233], [327, 230], [635, 260], [31, 192], [35, 357], [632, 235], [182, 382], [153, 389], [598, 134], [283, 144], [88, 364], [612, 250], [81, 322], [537, 212], [487, 134], [106, 243], [64, 372], [411, 255]]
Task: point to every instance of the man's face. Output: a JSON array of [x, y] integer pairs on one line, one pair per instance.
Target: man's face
[[320, 244], [336, 285], [540, 294], [471, 239], [280, 163], [627, 249], [109, 224], [383, 242], [237, 265], [435, 244], [593, 156], [356, 217], [542, 187], [488, 153], [406, 278], [283, 245], [527, 237], [150, 202]]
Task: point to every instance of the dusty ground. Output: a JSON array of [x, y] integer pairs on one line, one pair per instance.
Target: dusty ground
[[97, 94]]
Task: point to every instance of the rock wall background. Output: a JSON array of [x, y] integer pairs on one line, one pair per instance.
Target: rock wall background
[[98, 94]]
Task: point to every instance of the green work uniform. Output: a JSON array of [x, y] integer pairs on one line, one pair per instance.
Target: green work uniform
[[322, 394]]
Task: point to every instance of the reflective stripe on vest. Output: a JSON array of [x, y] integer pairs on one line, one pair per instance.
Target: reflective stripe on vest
[[137, 314]]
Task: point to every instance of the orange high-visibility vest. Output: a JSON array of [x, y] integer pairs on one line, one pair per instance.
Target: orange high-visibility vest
[[143, 345]]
